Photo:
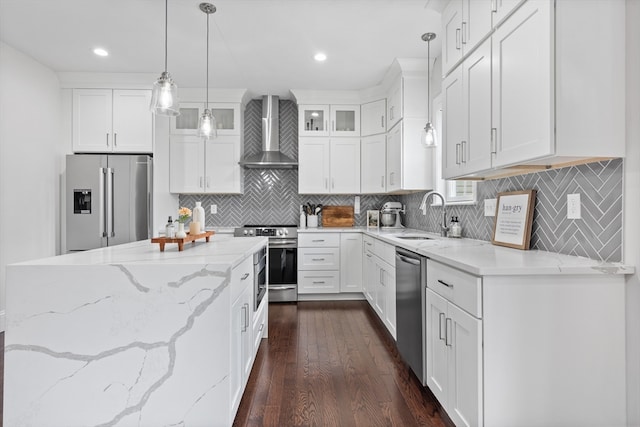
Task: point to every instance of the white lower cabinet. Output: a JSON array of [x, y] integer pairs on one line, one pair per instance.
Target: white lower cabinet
[[454, 360], [379, 280], [350, 262], [318, 263]]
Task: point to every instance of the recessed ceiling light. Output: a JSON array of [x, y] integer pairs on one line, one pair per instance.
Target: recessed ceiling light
[[320, 57], [100, 51]]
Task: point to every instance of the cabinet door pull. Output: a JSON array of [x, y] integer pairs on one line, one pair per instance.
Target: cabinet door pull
[[107, 139], [440, 317], [244, 276], [326, 183], [494, 141], [369, 255], [463, 158], [245, 310], [382, 122], [457, 154], [115, 139], [445, 283], [447, 328], [494, 6], [382, 181], [464, 32], [208, 182], [333, 183], [325, 125], [457, 38]]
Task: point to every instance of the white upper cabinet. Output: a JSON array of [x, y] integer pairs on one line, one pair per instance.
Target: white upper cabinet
[[465, 23], [329, 120], [394, 103], [541, 61], [502, 9], [373, 117], [467, 115], [373, 164], [329, 166], [205, 167], [409, 164], [112, 121], [227, 117]]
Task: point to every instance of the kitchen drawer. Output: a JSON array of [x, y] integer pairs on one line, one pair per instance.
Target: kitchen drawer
[[385, 251], [368, 243], [241, 276], [460, 288], [318, 258], [318, 240], [318, 282]]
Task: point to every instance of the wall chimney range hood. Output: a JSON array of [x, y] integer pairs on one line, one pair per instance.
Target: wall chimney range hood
[[270, 157]]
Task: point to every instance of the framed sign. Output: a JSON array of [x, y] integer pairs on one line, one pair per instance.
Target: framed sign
[[514, 218], [373, 219]]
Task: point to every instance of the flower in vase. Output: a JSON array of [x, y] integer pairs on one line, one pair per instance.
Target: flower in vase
[[184, 214]]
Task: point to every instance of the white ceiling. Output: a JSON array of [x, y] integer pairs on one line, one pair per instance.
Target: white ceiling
[[266, 46]]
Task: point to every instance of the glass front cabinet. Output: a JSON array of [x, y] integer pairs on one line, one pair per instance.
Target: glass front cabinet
[[329, 120], [227, 117]]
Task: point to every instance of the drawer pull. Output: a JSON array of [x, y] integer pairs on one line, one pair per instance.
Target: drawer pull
[[319, 282], [317, 259], [244, 276], [319, 240], [445, 283]]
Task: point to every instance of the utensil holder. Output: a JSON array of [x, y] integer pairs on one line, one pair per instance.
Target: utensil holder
[[312, 221]]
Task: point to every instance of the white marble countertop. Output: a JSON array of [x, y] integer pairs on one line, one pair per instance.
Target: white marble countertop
[[221, 249], [483, 258]]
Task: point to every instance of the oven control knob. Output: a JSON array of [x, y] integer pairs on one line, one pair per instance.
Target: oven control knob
[[245, 232], [251, 232], [280, 233], [286, 232]]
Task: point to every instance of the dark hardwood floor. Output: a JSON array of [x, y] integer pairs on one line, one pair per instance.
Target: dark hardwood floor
[[327, 364], [333, 364]]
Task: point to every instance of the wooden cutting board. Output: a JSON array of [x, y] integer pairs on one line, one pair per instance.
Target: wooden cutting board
[[337, 216]]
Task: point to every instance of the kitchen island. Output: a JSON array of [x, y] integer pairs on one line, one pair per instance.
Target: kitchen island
[[128, 335]]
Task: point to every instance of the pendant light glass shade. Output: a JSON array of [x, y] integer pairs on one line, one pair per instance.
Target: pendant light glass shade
[[164, 98], [207, 127], [428, 136]]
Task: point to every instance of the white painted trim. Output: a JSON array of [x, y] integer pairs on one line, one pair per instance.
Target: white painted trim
[[2, 320]]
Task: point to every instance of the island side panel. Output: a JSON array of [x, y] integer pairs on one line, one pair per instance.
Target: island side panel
[[117, 345], [554, 350]]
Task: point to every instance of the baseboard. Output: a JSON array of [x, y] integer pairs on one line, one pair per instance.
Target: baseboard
[[2, 320], [331, 297]]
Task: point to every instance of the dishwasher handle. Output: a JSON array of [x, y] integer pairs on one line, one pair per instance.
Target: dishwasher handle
[[409, 260]]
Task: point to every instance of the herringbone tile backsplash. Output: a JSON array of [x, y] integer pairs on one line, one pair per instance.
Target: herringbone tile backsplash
[[597, 235], [271, 197]]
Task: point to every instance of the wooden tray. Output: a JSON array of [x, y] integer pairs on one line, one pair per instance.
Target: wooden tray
[[182, 240]]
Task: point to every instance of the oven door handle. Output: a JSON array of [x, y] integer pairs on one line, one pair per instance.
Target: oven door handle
[[273, 243]]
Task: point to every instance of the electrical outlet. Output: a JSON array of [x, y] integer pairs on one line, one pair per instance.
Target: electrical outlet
[[490, 207], [214, 209], [573, 206], [356, 205]]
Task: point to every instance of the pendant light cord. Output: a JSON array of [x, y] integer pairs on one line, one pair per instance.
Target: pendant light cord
[[166, 23], [429, 80], [207, 105]]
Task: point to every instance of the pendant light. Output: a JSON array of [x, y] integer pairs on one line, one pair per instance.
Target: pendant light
[[207, 128], [428, 136], [164, 99]]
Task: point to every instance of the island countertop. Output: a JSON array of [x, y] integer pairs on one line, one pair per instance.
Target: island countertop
[[125, 335]]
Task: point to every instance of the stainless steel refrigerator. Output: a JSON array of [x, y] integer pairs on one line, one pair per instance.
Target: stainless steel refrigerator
[[108, 199]]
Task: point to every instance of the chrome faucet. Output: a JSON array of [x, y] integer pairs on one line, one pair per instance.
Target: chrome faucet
[[443, 227]]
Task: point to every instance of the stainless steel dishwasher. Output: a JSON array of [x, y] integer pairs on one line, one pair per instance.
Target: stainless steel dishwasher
[[411, 275]]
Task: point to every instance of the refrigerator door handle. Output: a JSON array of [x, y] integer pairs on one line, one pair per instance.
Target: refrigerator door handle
[[103, 198], [110, 215]]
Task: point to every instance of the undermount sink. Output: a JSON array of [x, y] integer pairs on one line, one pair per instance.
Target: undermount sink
[[414, 237]]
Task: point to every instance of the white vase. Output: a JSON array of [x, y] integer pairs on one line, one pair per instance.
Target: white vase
[[198, 216], [180, 233]]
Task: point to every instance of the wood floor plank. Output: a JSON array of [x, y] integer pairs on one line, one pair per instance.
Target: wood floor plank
[[333, 364]]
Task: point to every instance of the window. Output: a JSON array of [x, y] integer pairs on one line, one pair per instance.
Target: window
[[454, 192]]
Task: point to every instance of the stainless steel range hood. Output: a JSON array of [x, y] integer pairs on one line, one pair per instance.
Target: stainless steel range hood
[[270, 157]]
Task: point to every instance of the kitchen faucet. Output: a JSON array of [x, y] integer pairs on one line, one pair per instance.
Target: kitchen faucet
[[443, 227]]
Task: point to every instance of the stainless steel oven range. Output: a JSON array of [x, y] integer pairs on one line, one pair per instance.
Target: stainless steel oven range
[[283, 258]]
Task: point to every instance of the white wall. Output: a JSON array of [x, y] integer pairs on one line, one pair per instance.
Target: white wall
[[30, 161], [631, 225]]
